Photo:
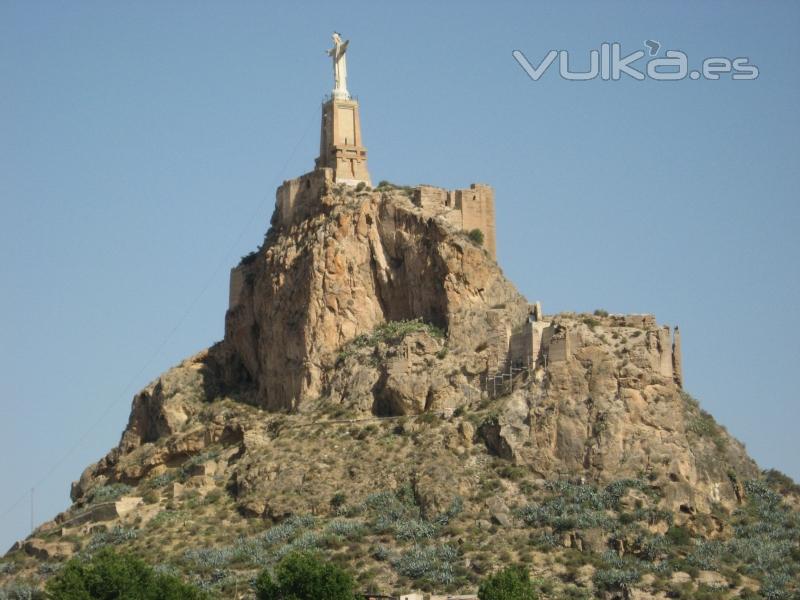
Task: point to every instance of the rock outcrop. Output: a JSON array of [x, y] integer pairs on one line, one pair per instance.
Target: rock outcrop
[[371, 305], [357, 261], [379, 373]]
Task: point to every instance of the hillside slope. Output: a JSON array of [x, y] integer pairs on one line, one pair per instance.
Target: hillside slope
[[353, 407]]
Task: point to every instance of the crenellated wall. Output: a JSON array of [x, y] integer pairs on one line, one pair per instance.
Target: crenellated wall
[[465, 209]]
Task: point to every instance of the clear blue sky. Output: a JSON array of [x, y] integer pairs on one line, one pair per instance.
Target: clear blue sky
[[141, 143]]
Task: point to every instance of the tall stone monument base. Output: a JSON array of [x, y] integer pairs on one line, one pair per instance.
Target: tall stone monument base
[[341, 148]]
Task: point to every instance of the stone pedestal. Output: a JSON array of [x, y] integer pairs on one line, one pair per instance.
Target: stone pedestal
[[340, 146]]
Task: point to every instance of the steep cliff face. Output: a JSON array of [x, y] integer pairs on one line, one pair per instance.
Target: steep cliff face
[[612, 412], [359, 260], [598, 417], [609, 411]]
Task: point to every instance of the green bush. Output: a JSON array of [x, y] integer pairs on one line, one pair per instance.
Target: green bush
[[305, 577], [338, 500], [591, 322], [476, 235], [678, 536], [581, 506], [249, 258], [765, 541], [781, 482], [21, 591], [702, 424], [512, 583], [109, 575], [428, 564], [390, 332], [108, 493], [117, 535], [512, 472], [615, 578]]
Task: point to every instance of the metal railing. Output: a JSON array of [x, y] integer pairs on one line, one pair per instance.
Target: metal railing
[[502, 382]]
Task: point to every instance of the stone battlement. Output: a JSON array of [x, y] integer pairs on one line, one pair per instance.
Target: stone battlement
[[466, 209]]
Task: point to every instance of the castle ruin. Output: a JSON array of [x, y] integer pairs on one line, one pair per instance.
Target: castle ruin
[[540, 342], [510, 341], [343, 160]]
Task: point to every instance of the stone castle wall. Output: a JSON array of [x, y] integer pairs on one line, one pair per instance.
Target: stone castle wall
[[477, 211], [525, 344], [664, 349], [236, 285], [298, 198], [538, 341], [558, 343], [466, 209]]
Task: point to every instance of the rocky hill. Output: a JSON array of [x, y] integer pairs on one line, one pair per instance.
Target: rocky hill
[[385, 395]]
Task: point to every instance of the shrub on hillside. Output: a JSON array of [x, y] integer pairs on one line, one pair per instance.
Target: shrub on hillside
[[117, 535], [21, 591], [390, 332], [338, 500], [781, 482], [249, 258], [581, 506], [435, 564], [476, 235], [305, 577], [765, 540], [512, 583], [615, 578], [109, 575], [678, 535], [108, 493]]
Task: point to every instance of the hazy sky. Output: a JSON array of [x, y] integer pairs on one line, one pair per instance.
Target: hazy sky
[[141, 144]]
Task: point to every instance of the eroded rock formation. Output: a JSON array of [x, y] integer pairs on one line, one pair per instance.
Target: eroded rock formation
[[358, 260], [310, 331]]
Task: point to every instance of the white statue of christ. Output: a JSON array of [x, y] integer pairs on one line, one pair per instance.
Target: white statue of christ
[[339, 67]]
